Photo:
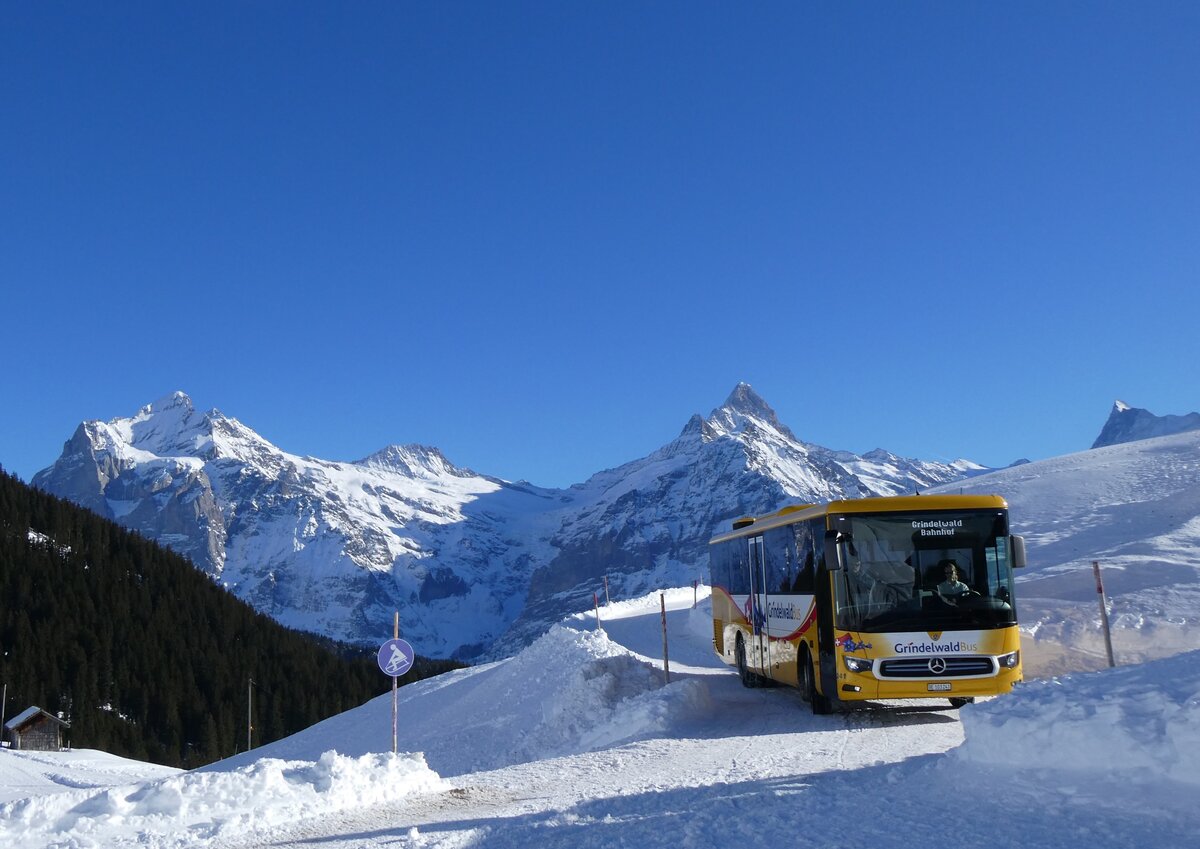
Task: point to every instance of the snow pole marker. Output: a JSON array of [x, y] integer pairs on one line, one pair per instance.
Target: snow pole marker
[[395, 685], [249, 713], [662, 603], [596, 600], [1103, 613]]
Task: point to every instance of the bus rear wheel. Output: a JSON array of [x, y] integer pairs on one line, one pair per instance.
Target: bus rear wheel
[[808, 687], [749, 679]]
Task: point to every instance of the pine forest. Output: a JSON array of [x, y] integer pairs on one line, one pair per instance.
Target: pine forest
[[143, 654]]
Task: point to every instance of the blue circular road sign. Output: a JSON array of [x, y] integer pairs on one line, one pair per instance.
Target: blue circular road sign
[[396, 657]]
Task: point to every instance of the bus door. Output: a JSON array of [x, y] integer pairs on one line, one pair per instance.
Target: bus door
[[760, 644]]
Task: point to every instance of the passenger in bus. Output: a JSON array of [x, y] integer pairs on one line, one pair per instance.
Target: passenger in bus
[[951, 588]]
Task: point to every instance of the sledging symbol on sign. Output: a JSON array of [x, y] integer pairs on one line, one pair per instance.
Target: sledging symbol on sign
[[395, 657]]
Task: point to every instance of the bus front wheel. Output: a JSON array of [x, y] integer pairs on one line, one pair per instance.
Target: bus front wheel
[[957, 703], [808, 687]]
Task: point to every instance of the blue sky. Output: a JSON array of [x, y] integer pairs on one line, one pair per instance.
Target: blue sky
[[541, 235]]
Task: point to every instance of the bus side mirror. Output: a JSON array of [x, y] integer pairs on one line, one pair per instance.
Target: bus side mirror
[[1016, 545], [834, 559]]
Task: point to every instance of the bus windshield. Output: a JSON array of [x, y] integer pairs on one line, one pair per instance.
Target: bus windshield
[[924, 572]]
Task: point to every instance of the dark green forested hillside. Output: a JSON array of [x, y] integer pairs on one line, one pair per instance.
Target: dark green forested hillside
[[143, 653]]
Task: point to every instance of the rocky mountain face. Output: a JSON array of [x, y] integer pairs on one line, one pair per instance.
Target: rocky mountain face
[[476, 566], [1129, 424]]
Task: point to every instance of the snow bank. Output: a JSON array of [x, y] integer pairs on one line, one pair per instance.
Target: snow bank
[[569, 692], [1141, 722], [191, 808]]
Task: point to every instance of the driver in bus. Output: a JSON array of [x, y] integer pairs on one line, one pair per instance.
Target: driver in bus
[[952, 587], [861, 583]]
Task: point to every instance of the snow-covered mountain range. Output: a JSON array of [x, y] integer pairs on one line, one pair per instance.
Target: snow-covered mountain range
[[476, 565]]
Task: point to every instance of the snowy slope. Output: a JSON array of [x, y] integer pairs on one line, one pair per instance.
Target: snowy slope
[[1135, 509], [578, 742]]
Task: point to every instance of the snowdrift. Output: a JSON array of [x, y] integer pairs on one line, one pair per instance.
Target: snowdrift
[[1138, 722], [194, 807], [571, 691]]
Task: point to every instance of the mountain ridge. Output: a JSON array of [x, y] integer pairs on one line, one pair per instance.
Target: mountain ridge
[[1129, 424], [477, 565]]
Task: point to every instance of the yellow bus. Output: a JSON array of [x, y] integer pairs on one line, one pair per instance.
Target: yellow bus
[[874, 598]]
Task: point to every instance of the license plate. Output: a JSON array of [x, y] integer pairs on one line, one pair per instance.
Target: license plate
[[938, 688]]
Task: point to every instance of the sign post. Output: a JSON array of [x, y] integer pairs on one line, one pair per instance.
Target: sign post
[[395, 657]]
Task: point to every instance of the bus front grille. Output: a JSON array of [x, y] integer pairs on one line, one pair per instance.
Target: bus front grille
[[937, 667]]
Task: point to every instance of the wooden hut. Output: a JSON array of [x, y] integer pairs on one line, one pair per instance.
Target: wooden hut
[[34, 729]]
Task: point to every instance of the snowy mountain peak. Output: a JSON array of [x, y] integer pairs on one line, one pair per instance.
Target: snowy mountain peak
[[743, 399], [168, 426], [177, 400], [745, 406], [1129, 424], [414, 461]]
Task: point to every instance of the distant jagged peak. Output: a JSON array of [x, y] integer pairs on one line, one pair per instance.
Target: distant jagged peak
[[1130, 424], [169, 425], [745, 405], [697, 427], [744, 399], [175, 401], [414, 460], [172, 426]]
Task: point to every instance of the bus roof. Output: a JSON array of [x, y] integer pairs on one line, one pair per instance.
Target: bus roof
[[889, 504]]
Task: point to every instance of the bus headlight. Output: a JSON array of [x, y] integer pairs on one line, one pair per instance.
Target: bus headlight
[[857, 664], [1010, 660]]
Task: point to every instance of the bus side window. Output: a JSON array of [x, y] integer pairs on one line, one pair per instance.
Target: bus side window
[[779, 560], [718, 566], [739, 568], [817, 530], [805, 558]]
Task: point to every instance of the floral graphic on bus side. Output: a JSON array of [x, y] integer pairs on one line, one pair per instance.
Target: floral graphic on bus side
[[847, 643]]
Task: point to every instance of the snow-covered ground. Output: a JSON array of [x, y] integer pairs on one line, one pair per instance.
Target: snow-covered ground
[[577, 741]]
